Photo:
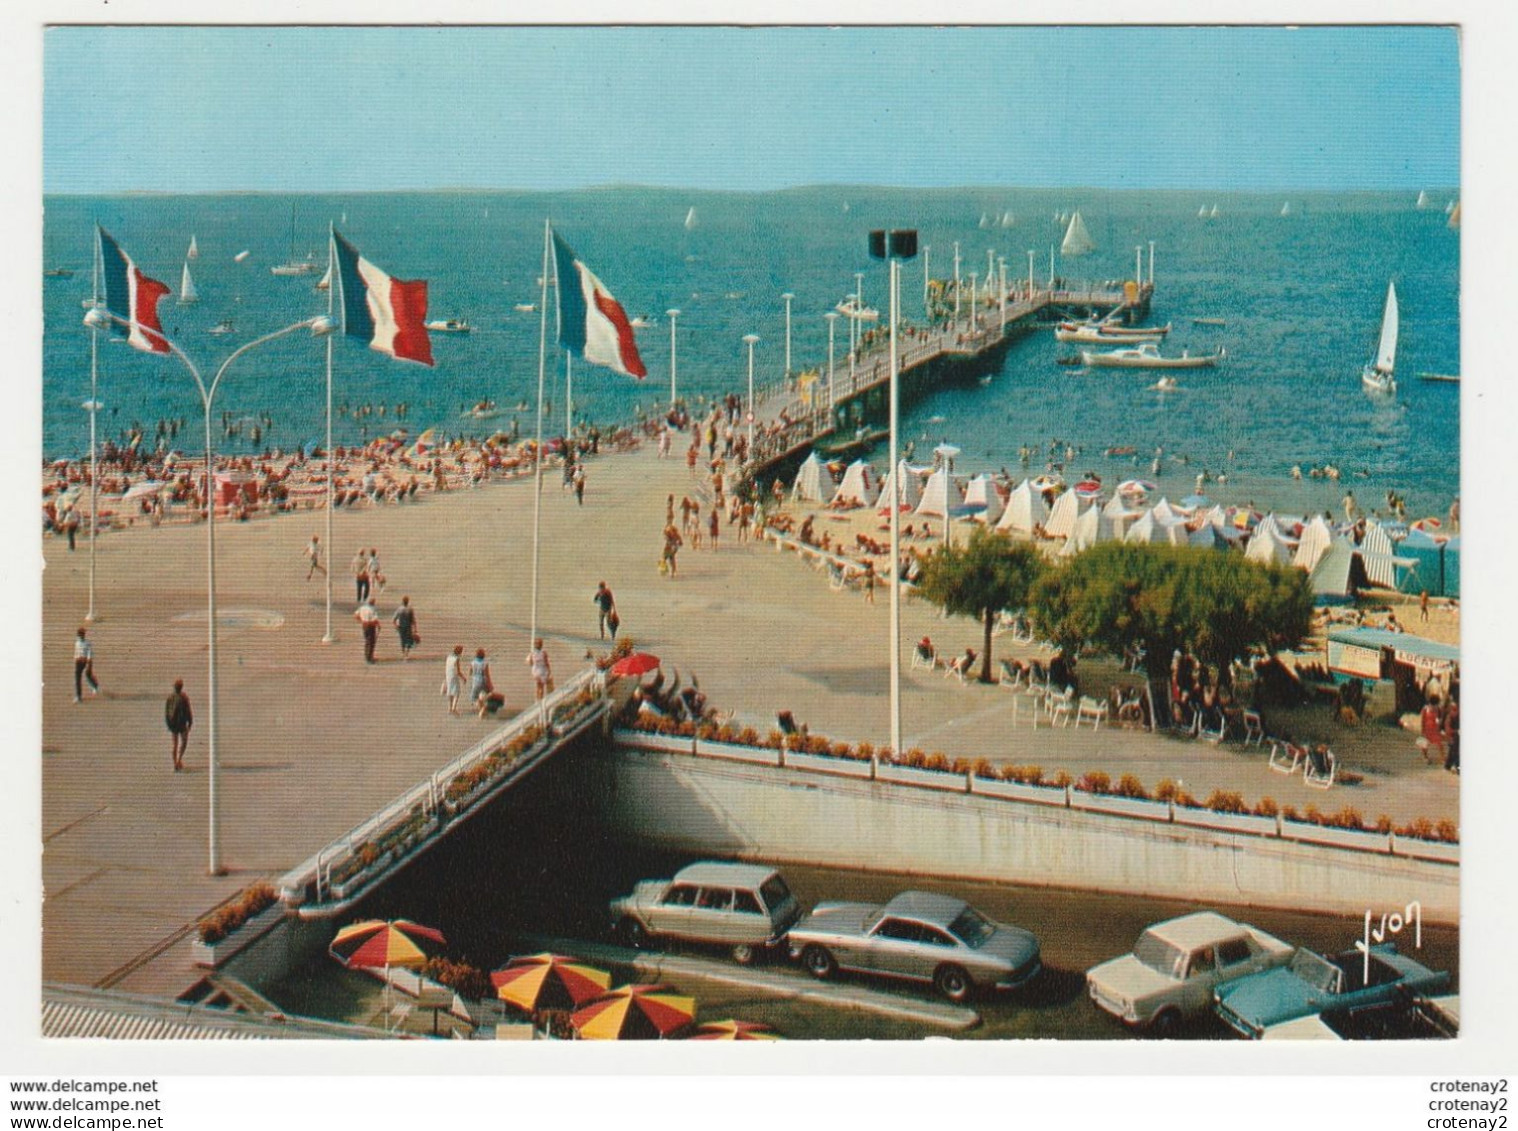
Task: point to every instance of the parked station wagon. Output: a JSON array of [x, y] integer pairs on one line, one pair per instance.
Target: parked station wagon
[[919, 936], [745, 907], [1175, 965]]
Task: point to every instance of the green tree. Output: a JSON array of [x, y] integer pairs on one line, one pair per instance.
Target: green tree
[[1119, 595], [982, 577]]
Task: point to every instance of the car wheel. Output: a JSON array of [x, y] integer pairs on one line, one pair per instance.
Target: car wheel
[[819, 962], [743, 954], [633, 933], [953, 983], [1165, 1023]]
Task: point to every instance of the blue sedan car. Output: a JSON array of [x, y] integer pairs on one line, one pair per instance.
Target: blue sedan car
[[1311, 985]]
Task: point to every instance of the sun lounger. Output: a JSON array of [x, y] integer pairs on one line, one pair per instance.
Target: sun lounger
[[1060, 706], [1319, 768], [1254, 728], [1285, 757], [1093, 709], [1010, 678]]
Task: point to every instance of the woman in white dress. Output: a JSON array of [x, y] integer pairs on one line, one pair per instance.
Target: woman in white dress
[[453, 678]]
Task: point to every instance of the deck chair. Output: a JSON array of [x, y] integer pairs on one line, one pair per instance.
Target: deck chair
[[1093, 709], [1254, 728], [1030, 700], [1214, 736], [1285, 757], [959, 666], [837, 579], [1060, 707], [1008, 678], [1319, 768], [924, 657]]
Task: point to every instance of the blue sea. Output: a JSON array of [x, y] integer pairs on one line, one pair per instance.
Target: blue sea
[[1300, 297]]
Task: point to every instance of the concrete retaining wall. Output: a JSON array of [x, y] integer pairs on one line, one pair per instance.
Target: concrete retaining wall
[[729, 808]]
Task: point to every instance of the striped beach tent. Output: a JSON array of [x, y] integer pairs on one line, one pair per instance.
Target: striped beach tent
[[813, 483], [909, 493], [1314, 543], [859, 482]]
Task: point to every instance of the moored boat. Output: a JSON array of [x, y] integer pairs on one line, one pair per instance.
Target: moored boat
[[1147, 356], [851, 447], [1097, 334], [449, 326]]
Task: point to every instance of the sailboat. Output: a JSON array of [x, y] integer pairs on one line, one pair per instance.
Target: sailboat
[[1454, 216], [1379, 376], [1286, 209], [1422, 201], [1201, 213], [1078, 241], [194, 252], [325, 282], [1214, 213], [1008, 220], [690, 218], [187, 287], [985, 221], [294, 266]]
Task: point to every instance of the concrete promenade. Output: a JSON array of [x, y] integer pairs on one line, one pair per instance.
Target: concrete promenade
[[312, 739]]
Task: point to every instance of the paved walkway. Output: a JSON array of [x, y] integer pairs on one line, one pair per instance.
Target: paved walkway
[[312, 739]]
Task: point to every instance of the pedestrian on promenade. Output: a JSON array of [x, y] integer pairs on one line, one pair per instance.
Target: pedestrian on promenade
[[1431, 726], [84, 666], [453, 677], [606, 607], [664, 442], [480, 685], [669, 509], [405, 627], [580, 484], [1451, 723], [368, 620], [672, 544], [869, 582], [1423, 606], [360, 567], [376, 578], [314, 556], [693, 453], [714, 528], [178, 717], [71, 527], [542, 671]]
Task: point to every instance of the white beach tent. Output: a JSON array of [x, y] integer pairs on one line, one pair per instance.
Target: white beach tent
[[939, 495], [1118, 515], [1266, 545], [1338, 573], [909, 493], [859, 482], [982, 490], [1207, 536], [1376, 551], [1153, 526], [1067, 508], [1090, 527], [813, 483], [1164, 512], [1315, 540], [1025, 510]]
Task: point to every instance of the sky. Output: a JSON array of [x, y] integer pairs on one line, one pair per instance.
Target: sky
[[729, 108], [385, 108]]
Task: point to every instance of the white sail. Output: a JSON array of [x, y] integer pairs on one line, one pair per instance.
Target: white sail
[[1423, 200], [1078, 241], [1201, 213], [1386, 354], [1008, 220], [325, 281], [194, 252], [1454, 216], [690, 219], [1286, 209], [187, 287], [985, 221], [1214, 212]]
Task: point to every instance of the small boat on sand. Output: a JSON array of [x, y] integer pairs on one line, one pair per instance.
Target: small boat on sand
[[1147, 356]]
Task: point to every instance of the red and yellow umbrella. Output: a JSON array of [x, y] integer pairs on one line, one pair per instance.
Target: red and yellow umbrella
[[634, 1013], [733, 1031], [548, 981], [378, 943]]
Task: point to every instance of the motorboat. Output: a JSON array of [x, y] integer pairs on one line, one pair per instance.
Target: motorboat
[[525, 307], [1379, 376], [1452, 378], [484, 410], [450, 326], [1100, 334], [59, 273], [222, 327], [851, 309], [1147, 356]]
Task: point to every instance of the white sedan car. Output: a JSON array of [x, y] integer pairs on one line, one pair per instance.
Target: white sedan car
[[1174, 966]]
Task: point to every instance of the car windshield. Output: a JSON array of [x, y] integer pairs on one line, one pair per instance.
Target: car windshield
[[774, 891], [971, 927], [1159, 955], [1317, 972]]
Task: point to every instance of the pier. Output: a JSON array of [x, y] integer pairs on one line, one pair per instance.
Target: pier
[[929, 357]]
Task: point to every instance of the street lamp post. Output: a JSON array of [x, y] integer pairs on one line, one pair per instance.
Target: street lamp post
[[1001, 290], [1030, 273], [974, 301], [751, 339], [672, 313], [832, 317], [927, 306], [321, 326], [956, 284], [1151, 263], [788, 297]]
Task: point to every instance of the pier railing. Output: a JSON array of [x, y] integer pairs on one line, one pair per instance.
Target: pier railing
[[356, 863]]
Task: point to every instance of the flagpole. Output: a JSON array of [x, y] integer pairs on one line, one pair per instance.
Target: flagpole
[[329, 637], [94, 406], [537, 502], [569, 396], [895, 504]]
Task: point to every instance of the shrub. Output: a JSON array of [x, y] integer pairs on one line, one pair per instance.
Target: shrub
[[727, 733], [748, 736], [1384, 823], [983, 768], [1346, 818], [1129, 786], [1094, 782], [840, 750], [707, 732], [935, 761], [1267, 807], [864, 751], [960, 766], [463, 979], [1313, 815], [1185, 800], [816, 744], [1061, 780], [1420, 829], [1226, 801], [1447, 831], [237, 911], [1289, 812], [1166, 790], [916, 758], [774, 740]]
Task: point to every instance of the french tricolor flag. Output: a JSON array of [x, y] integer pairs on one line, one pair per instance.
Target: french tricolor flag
[[131, 296], [592, 324], [390, 314]]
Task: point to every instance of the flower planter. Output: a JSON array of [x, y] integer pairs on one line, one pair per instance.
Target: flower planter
[[1020, 791], [216, 954], [1225, 822], [661, 743], [711, 748], [1122, 806]]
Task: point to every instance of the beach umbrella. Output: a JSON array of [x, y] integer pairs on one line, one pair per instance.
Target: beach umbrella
[[733, 1031], [1135, 487], [1047, 483], [1088, 488], [634, 1013], [638, 663], [377, 943], [548, 981]]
